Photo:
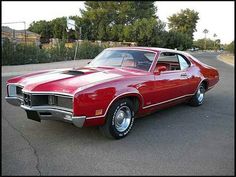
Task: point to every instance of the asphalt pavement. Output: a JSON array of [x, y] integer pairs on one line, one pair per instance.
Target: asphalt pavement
[[181, 140]]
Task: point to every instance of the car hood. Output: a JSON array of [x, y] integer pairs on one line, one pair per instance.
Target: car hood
[[69, 80]]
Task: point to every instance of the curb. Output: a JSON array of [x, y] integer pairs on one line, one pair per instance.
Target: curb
[[218, 58], [15, 70], [15, 73]]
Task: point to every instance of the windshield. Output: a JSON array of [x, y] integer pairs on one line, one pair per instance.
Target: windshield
[[124, 58]]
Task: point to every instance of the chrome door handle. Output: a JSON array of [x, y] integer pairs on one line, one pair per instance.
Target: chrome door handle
[[184, 75]]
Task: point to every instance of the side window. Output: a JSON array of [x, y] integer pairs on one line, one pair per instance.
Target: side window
[[169, 60], [183, 62]]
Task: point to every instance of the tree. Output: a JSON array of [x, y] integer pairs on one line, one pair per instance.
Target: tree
[[200, 43], [43, 28], [205, 31], [230, 47], [184, 22], [173, 39], [145, 31], [106, 19], [59, 28]]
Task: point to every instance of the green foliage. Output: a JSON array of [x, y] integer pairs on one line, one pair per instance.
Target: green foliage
[[144, 31], [184, 22], [177, 40], [105, 20], [133, 21], [88, 50], [230, 47], [17, 54], [59, 28], [43, 28], [210, 44]]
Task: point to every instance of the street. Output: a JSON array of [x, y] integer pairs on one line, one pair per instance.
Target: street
[[180, 140]]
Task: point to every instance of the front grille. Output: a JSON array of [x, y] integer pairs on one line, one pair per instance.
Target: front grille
[[48, 100], [64, 102], [60, 101], [27, 99], [39, 100]]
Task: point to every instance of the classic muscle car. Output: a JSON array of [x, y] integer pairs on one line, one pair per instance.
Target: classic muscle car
[[116, 87]]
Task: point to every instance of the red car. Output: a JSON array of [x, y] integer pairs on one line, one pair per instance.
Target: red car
[[117, 86]]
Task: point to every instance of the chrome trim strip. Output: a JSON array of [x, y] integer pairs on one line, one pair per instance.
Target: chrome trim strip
[[43, 109], [95, 117], [177, 52], [47, 93], [131, 48], [47, 108], [145, 107], [153, 62]]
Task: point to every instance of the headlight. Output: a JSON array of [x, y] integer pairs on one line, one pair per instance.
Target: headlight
[[12, 90]]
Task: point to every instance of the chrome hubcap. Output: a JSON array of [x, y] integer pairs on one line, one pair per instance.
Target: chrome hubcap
[[122, 118], [200, 94]]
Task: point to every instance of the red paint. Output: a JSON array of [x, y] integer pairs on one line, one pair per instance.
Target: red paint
[[98, 87]]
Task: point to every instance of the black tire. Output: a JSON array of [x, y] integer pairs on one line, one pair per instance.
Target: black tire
[[199, 96], [111, 127]]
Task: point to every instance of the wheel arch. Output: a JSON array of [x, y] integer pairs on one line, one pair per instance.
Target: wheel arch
[[205, 82], [136, 99]]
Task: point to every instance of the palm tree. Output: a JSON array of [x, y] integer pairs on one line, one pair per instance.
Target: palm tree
[[205, 31], [214, 40]]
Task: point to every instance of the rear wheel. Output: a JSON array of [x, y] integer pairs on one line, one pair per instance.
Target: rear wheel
[[199, 96], [119, 120]]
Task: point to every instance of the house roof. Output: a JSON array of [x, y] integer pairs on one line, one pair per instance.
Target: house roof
[[9, 30]]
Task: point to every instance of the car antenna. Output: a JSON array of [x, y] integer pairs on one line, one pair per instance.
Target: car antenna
[[71, 25], [76, 48]]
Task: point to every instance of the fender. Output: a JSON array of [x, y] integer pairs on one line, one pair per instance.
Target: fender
[[96, 115]]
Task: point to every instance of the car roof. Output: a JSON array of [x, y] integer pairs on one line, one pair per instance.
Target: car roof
[[154, 49]]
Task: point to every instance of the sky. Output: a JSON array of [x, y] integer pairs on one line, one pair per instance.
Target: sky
[[216, 16]]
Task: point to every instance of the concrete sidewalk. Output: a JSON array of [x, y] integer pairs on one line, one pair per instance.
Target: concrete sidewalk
[[23, 69]]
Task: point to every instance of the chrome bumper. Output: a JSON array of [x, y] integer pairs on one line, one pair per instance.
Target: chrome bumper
[[14, 101], [48, 113]]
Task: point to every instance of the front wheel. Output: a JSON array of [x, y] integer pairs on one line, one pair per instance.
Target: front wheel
[[119, 120], [199, 96]]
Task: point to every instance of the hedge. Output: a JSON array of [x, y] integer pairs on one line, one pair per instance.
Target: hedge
[[18, 54]]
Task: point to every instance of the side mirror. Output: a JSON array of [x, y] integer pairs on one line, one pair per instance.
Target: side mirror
[[160, 69]]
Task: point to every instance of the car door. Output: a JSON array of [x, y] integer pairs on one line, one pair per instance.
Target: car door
[[170, 84], [188, 75]]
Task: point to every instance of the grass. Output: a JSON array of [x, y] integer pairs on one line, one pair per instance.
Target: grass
[[227, 58]]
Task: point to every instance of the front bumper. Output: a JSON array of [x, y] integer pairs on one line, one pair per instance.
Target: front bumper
[[39, 113]]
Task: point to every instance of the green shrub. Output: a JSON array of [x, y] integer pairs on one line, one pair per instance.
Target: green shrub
[[17, 54], [88, 50]]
